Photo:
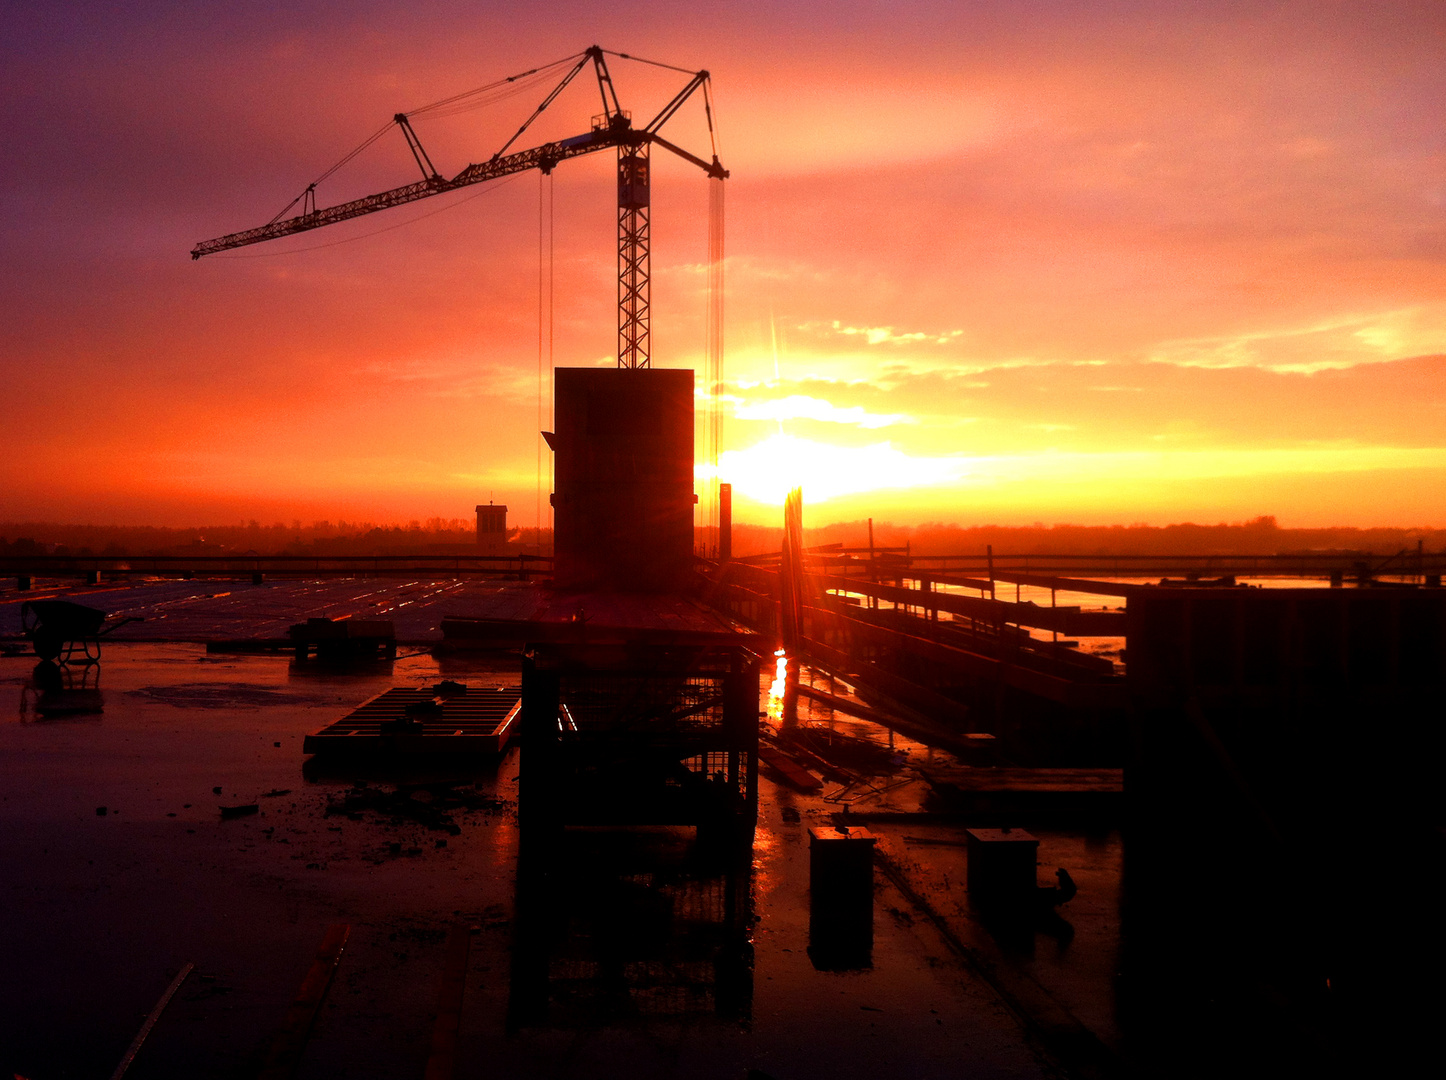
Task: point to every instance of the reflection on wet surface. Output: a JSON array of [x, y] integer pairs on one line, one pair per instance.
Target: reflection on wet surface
[[62, 690], [619, 953], [222, 695], [616, 926]]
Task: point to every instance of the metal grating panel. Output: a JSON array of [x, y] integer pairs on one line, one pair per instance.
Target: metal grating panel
[[455, 719]]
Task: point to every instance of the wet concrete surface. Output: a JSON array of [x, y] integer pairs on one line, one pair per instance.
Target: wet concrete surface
[[226, 609], [102, 910], [1074, 958]]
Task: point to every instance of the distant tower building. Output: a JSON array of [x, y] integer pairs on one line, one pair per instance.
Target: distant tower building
[[491, 529]]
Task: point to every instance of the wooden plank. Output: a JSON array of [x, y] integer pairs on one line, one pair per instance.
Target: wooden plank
[[930, 704], [843, 705], [945, 578], [1016, 646], [1067, 620], [927, 703], [1075, 623], [792, 771], [441, 1061], [918, 728], [1055, 688], [1068, 584], [1178, 565], [135, 1047], [286, 1049], [1074, 781]]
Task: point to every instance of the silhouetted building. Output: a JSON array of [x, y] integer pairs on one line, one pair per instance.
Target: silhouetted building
[[623, 504], [491, 529]]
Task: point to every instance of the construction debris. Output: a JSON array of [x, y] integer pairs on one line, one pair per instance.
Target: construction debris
[[429, 805]]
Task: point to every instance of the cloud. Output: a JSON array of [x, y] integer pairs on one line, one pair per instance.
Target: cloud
[[802, 407], [1340, 342], [1100, 469], [456, 377], [888, 335]]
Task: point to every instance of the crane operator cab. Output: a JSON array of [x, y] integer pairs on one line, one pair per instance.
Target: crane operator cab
[[633, 180]]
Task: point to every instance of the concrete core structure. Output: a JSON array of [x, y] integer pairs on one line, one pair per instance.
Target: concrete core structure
[[623, 504]]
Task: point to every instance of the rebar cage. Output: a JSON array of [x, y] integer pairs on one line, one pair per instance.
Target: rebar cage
[[638, 735]]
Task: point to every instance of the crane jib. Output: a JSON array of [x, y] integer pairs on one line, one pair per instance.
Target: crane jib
[[613, 128], [539, 157]]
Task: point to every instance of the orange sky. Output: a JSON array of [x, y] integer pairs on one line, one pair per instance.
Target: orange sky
[[1008, 263]]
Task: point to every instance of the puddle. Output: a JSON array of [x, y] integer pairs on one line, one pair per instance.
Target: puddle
[[223, 696]]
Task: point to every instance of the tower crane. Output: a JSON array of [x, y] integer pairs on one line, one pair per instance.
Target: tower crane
[[612, 128]]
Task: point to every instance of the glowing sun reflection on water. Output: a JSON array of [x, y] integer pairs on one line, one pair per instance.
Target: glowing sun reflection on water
[[775, 692]]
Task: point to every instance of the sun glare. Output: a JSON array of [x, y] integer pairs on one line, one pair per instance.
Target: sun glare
[[778, 686], [767, 471]]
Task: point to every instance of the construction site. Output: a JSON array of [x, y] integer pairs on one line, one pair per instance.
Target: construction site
[[636, 807]]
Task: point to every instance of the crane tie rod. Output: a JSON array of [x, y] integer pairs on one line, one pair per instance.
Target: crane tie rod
[[655, 63], [617, 131], [374, 136]]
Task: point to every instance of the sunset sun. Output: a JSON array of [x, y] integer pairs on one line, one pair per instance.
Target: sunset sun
[[768, 470]]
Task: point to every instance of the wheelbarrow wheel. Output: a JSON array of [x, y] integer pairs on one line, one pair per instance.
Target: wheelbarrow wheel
[[48, 643]]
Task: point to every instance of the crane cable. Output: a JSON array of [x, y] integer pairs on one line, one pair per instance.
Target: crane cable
[[545, 251], [477, 98], [715, 348], [708, 112], [655, 63], [537, 507], [716, 262], [551, 262], [510, 86]]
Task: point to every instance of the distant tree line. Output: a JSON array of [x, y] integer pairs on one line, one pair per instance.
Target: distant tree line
[[433, 536], [1261, 536]]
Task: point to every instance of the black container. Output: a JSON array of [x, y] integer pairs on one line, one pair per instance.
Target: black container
[[841, 897]]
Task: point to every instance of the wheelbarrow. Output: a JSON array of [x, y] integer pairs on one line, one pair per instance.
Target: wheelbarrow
[[58, 629]]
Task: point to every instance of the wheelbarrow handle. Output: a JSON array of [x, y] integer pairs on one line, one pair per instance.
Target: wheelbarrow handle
[[108, 627]]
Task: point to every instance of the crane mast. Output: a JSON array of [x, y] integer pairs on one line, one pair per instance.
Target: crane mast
[[634, 259], [613, 128]]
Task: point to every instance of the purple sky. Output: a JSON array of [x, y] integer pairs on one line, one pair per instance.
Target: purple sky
[[1004, 262]]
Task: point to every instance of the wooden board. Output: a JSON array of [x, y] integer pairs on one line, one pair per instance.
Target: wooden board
[[1019, 779], [476, 721], [1013, 796], [1051, 781], [796, 775], [286, 1049]]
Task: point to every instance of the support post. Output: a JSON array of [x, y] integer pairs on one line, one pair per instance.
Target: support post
[[725, 522]]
